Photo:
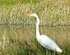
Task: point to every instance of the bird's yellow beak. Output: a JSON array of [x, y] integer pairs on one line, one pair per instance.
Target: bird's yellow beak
[[27, 14]]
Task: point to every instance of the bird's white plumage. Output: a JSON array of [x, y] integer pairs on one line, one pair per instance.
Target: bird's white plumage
[[48, 43], [44, 40]]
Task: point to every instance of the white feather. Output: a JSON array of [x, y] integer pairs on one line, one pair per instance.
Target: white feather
[[44, 40]]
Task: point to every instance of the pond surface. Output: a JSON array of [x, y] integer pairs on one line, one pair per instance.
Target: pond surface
[[21, 40]]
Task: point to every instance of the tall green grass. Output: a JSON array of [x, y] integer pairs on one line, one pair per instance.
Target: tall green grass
[[50, 12], [12, 2]]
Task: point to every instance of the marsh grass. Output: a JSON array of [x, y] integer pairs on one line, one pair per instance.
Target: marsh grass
[[50, 12], [21, 40]]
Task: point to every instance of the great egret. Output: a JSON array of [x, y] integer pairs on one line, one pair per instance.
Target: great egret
[[44, 40]]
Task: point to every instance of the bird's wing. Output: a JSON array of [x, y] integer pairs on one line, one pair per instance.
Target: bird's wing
[[48, 43]]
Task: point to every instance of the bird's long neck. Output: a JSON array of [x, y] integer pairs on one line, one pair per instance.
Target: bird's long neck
[[37, 27]]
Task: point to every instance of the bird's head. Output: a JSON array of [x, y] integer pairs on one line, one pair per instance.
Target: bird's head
[[33, 14]]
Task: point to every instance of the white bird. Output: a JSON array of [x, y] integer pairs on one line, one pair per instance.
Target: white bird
[[44, 40]]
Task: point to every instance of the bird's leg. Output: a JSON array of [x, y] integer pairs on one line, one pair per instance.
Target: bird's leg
[[44, 51], [47, 52], [52, 53], [57, 54]]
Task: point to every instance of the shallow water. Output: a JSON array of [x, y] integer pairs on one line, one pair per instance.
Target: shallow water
[[22, 39]]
